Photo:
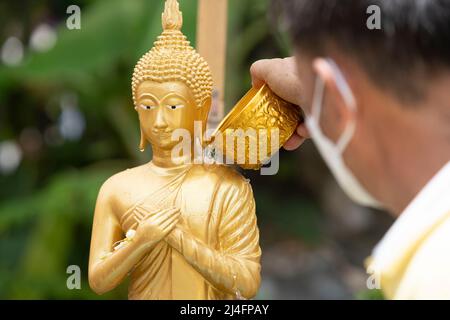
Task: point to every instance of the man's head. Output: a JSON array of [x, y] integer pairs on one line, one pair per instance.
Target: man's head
[[397, 75], [412, 44]]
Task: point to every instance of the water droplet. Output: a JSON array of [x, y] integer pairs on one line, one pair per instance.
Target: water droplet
[[239, 296], [71, 121], [10, 157], [43, 38], [12, 51]]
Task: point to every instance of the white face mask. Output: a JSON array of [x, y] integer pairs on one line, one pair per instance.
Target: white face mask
[[331, 153]]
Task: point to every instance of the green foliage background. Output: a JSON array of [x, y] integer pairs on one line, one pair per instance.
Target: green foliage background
[[46, 206]]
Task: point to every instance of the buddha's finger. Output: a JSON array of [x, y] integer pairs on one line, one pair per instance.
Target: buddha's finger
[[152, 210], [168, 217], [167, 230], [141, 214], [170, 221], [167, 213], [169, 224], [144, 211], [154, 214]]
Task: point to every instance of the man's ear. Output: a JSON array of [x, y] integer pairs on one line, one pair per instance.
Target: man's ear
[[339, 105]]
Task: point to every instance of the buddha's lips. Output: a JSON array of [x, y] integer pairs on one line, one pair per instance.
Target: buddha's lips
[[162, 133]]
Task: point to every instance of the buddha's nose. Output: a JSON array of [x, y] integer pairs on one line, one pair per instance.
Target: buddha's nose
[[160, 122]]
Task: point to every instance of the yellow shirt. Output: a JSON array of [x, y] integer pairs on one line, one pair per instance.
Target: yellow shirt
[[413, 259]]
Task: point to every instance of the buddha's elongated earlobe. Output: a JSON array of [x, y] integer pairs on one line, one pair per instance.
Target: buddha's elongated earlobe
[[143, 142]]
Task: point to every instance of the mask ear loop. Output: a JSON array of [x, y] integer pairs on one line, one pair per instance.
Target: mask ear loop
[[346, 137], [318, 99], [349, 131], [349, 100]]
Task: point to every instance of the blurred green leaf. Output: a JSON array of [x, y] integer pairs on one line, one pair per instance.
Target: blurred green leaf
[[58, 209], [370, 295], [109, 30], [46, 207]]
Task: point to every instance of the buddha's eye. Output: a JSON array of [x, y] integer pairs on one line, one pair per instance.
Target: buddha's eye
[[175, 107], [147, 107]]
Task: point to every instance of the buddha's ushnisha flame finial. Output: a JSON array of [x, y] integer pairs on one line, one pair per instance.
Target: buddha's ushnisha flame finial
[[172, 58], [172, 18]]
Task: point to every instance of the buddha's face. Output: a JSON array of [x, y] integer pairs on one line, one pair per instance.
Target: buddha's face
[[166, 107]]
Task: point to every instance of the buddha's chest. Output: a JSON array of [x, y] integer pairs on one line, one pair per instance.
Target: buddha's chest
[[197, 210], [194, 199]]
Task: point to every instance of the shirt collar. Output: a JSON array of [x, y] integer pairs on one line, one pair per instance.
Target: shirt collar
[[428, 208]]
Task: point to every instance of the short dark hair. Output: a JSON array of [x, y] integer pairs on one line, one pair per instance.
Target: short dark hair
[[412, 44]]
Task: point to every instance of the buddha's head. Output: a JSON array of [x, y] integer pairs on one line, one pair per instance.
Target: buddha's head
[[172, 84]]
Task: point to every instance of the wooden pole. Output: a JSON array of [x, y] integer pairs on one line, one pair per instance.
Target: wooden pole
[[212, 45]]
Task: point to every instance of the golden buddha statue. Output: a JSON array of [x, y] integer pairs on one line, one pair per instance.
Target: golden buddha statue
[[179, 230]]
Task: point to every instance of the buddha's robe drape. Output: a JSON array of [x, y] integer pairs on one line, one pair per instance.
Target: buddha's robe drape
[[214, 253]]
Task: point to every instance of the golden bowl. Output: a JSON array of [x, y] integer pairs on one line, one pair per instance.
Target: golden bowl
[[256, 128]]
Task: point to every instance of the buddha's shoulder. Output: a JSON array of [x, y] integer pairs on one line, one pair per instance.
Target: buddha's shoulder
[[122, 179], [222, 175]]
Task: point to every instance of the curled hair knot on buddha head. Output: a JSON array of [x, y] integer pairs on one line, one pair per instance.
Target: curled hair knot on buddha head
[[172, 58]]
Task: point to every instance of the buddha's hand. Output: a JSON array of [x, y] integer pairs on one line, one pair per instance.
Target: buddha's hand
[[282, 77], [156, 226]]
